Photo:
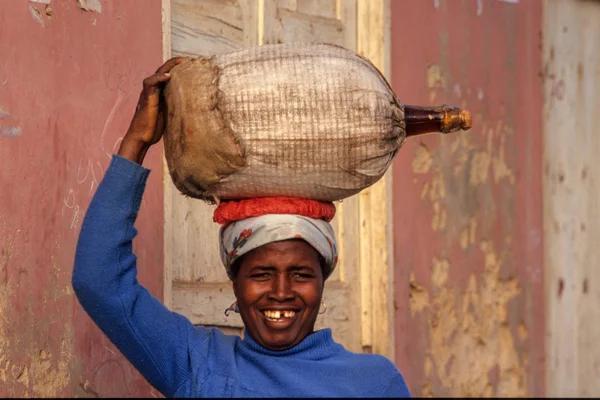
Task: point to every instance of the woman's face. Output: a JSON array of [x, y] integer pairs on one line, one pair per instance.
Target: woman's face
[[278, 289]]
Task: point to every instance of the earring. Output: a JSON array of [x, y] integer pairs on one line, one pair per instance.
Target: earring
[[233, 307], [324, 307]]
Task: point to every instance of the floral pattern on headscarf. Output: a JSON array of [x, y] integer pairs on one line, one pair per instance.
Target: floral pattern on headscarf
[[240, 237]]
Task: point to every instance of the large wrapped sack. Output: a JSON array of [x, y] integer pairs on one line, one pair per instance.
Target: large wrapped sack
[[312, 121]]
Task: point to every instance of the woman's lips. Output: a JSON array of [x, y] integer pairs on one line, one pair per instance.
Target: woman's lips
[[279, 319]]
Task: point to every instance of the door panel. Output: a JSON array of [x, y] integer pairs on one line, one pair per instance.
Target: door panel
[[200, 288]]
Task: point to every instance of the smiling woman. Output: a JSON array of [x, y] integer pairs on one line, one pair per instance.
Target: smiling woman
[[277, 259], [279, 288]]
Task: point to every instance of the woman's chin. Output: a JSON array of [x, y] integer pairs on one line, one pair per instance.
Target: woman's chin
[[279, 341]]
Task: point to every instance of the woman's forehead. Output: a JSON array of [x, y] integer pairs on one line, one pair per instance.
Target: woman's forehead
[[290, 246], [284, 250]]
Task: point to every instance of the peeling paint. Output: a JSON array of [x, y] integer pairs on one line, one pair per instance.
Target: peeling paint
[[435, 80], [10, 131], [457, 90], [437, 193], [472, 163], [479, 7], [522, 331], [439, 272], [48, 346], [418, 296], [480, 167], [422, 161], [474, 326], [6, 255], [461, 148], [480, 94], [434, 190], [435, 77], [36, 14], [41, 373], [492, 157], [90, 5], [468, 233], [51, 377], [438, 188], [424, 190], [501, 169], [469, 338], [480, 163], [438, 222]]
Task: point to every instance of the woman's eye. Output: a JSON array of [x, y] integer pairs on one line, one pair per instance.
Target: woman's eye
[[303, 276]]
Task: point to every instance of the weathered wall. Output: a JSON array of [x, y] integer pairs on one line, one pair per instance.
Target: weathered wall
[[467, 207], [571, 196], [69, 82]]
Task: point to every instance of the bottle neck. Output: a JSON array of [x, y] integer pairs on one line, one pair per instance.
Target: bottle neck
[[442, 119]]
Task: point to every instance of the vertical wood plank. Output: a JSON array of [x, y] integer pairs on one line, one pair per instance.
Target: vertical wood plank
[[167, 203], [191, 237], [324, 8], [374, 204], [571, 191]]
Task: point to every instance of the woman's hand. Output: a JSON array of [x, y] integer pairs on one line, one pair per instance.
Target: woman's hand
[[148, 123]]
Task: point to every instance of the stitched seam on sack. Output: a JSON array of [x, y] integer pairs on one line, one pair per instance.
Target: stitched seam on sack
[[237, 143]]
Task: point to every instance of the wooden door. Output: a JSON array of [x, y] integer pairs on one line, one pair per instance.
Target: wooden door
[[358, 295]]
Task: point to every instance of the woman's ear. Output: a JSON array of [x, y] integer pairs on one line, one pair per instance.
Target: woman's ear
[[235, 269], [234, 286], [324, 267]]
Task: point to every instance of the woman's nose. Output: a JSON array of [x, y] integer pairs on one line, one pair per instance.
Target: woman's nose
[[282, 288]]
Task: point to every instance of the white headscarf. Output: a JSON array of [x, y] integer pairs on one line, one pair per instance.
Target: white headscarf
[[240, 237]]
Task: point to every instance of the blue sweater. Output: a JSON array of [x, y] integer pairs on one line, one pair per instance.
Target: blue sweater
[[181, 360]]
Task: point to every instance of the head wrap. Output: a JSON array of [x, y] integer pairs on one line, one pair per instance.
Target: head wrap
[[240, 237]]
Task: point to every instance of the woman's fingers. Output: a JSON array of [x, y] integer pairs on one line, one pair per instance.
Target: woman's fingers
[[154, 80], [166, 67], [162, 75], [147, 124], [151, 85], [149, 97]]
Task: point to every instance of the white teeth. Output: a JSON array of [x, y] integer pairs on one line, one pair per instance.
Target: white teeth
[[278, 314]]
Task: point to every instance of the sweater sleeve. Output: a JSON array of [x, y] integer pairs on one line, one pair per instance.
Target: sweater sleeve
[[154, 339]]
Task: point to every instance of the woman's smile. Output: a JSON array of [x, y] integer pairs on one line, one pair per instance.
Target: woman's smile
[[279, 319], [279, 287]]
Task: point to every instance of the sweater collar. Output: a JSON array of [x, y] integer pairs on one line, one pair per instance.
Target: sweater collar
[[316, 346]]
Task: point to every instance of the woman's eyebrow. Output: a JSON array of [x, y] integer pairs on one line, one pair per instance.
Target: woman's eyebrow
[[262, 268], [301, 267], [268, 268]]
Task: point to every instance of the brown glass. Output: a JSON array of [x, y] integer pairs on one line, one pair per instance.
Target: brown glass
[[442, 119]]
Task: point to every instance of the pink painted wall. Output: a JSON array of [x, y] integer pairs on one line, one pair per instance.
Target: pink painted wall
[[467, 207], [69, 82]]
